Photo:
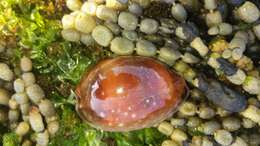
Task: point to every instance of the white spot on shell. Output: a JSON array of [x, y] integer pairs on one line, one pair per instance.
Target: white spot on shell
[[120, 90], [120, 124], [133, 115], [102, 114]]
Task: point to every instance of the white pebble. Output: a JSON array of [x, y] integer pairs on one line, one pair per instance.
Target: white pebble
[[26, 64], [165, 128], [13, 104], [89, 8], [130, 34], [223, 137], [74, 5], [214, 30], [53, 127], [36, 120], [25, 108], [231, 123], [22, 128], [248, 12], [122, 46], [210, 4], [225, 29], [213, 18], [179, 135], [68, 22], [42, 139], [190, 58], [115, 4], [135, 9], [19, 85], [70, 35], [252, 85], [21, 98], [6, 73], [169, 55], [127, 21], [87, 39], [85, 23], [102, 35], [247, 123], [206, 112], [106, 13], [145, 48], [199, 45], [35, 93], [28, 78], [239, 142], [149, 26], [176, 122], [210, 127], [179, 12], [238, 78], [188, 109], [114, 27], [252, 112], [46, 107]]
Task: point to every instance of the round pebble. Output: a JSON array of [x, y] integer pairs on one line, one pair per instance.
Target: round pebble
[[248, 12], [28, 78], [47, 108], [70, 35], [130, 34], [35, 93], [149, 26], [68, 22], [135, 9], [127, 21], [6, 73], [145, 48], [19, 85], [179, 12], [74, 5], [102, 35], [87, 39], [26, 64], [85, 23], [122, 46], [89, 8], [21, 98], [106, 13], [223, 137], [36, 120], [22, 129]]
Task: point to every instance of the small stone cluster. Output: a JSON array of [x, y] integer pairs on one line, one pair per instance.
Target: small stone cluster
[[24, 109]]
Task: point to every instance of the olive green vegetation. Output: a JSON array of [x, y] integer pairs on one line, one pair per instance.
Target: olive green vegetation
[[32, 28]]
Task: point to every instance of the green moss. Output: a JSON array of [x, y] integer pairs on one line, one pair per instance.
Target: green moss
[[10, 139]]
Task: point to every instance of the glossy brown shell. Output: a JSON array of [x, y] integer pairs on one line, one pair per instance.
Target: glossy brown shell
[[128, 93]]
